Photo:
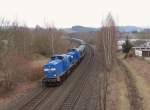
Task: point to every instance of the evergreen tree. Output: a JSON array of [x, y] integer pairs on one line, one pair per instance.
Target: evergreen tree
[[126, 47]]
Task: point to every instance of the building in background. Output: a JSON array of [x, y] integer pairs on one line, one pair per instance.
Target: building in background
[[143, 50]]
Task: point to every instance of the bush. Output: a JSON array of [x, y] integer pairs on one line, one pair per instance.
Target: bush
[[18, 44], [42, 46], [16, 69], [36, 73]]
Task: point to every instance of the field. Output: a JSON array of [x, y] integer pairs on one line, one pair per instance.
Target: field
[[140, 71]]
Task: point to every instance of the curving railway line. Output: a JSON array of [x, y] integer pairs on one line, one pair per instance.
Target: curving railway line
[[81, 91], [75, 93], [68, 95], [77, 88]]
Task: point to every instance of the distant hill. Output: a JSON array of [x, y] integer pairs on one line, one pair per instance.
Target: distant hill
[[130, 29], [80, 29], [91, 29]]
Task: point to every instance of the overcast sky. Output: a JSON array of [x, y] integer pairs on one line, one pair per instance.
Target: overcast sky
[[65, 13]]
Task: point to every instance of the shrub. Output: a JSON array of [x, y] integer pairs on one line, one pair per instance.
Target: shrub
[[41, 45], [17, 68], [35, 73]]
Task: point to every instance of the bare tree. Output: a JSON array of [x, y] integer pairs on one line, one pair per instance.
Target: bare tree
[[4, 25], [106, 46], [18, 44]]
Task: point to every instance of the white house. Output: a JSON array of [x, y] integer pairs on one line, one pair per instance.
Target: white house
[[142, 50]]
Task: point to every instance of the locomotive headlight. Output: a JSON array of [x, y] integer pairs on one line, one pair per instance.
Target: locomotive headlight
[[46, 69], [53, 69]]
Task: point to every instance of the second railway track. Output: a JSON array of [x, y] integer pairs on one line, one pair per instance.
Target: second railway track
[[75, 94], [37, 99]]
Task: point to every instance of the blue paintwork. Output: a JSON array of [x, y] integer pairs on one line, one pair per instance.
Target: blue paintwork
[[75, 53], [59, 64]]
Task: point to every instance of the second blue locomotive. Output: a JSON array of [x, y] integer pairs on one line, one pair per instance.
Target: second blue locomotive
[[60, 66]]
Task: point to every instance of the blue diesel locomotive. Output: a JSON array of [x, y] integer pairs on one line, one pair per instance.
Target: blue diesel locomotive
[[60, 66]]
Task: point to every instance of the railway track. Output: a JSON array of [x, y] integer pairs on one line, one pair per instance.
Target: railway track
[[37, 100], [75, 91], [74, 95]]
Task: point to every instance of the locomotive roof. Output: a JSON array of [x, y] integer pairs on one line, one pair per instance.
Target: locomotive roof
[[55, 61], [57, 57]]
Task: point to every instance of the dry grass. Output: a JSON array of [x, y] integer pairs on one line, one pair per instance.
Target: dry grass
[[20, 90], [118, 99], [18, 70], [140, 71], [147, 59]]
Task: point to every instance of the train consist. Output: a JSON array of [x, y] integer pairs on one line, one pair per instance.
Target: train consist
[[60, 66]]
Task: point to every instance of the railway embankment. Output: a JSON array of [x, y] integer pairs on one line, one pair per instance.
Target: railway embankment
[[139, 70]]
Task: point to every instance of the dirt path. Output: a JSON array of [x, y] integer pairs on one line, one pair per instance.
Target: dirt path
[[140, 71], [124, 93], [118, 92], [134, 96]]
